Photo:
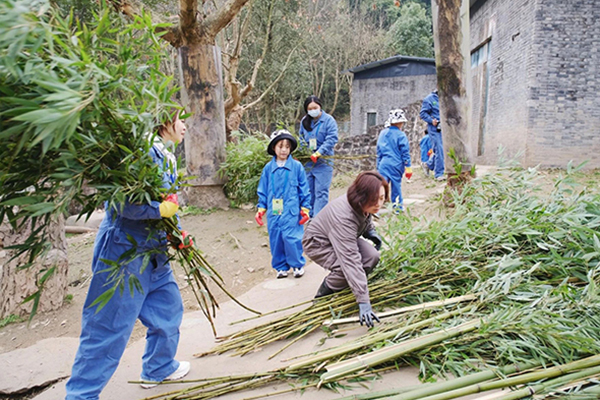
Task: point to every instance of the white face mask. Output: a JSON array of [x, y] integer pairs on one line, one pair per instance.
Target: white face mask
[[314, 113]]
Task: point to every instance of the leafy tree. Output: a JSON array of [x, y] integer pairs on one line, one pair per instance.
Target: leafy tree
[[411, 34]]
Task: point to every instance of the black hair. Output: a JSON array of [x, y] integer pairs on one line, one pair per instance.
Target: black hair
[[307, 121]]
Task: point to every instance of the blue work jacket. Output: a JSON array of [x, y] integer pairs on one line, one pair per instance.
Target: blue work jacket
[[288, 183], [393, 150], [326, 131], [430, 109]]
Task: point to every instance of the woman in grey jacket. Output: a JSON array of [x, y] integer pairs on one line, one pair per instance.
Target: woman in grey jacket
[[333, 240]]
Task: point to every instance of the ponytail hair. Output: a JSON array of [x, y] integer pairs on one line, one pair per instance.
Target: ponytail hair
[[307, 121]]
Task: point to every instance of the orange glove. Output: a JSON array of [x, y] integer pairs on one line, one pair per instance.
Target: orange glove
[[186, 240], [315, 157], [408, 173], [305, 216], [259, 215], [169, 206], [430, 152]]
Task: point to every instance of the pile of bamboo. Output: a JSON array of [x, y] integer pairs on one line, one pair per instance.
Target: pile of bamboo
[[502, 294]]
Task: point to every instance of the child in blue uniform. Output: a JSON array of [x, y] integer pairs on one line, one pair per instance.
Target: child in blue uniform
[[284, 195], [393, 156]]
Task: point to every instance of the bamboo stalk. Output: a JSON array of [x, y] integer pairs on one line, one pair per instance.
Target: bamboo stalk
[[551, 384], [338, 370], [479, 377], [590, 362], [366, 341], [403, 310]]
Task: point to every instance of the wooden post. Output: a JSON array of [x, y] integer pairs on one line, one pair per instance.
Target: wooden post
[[452, 59]]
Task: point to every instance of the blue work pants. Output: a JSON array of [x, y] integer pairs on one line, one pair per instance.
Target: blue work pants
[[319, 180]]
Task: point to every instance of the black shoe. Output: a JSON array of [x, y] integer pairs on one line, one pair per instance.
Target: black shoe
[[324, 290]]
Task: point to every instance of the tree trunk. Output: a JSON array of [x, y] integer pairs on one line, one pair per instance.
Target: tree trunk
[[202, 92], [17, 284], [452, 58], [234, 119]]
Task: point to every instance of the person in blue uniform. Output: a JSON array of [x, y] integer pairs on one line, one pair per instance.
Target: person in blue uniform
[[318, 132], [430, 113], [284, 196], [105, 331], [393, 156]]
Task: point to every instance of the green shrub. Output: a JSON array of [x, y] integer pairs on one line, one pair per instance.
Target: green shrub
[[246, 158]]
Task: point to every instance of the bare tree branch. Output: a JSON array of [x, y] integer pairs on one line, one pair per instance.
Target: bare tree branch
[[171, 34], [221, 18], [272, 85]]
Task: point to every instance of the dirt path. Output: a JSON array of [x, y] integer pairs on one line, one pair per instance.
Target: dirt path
[[232, 241]]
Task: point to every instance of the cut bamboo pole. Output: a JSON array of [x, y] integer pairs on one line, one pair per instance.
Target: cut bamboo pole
[[551, 384], [388, 353], [590, 362], [479, 377], [369, 340], [403, 310]]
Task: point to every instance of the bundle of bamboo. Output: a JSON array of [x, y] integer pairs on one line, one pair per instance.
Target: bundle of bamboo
[[531, 264]]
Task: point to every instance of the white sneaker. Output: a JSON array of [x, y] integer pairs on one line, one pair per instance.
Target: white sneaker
[[298, 272], [282, 274], [183, 370], [440, 178]]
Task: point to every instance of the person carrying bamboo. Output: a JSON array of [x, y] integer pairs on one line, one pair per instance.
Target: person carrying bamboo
[[334, 240], [125, 238], [284, 196]]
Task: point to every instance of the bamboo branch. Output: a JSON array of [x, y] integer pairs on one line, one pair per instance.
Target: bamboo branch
[[424, 306]]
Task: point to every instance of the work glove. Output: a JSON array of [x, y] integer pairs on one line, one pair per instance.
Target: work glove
[[430, 152], [373, 237], [366, 315], [408, 173], [186, 241], [315, 157], [259, 215], [169, 206], [305, 216]]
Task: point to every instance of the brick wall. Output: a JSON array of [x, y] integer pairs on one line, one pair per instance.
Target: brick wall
[[564, 110], [543, 77], [366, 144], [508, 26], [380, 95]]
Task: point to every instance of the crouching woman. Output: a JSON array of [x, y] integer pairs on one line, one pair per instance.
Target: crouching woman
[[333, 239]]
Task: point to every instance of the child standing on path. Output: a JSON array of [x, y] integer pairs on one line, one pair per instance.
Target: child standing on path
[[393, 156], [283, 194]]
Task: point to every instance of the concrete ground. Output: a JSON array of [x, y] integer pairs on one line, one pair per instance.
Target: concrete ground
[[56, 355], [50, 360]]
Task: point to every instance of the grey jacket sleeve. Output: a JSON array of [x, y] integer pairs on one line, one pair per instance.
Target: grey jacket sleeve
[[344, 242]]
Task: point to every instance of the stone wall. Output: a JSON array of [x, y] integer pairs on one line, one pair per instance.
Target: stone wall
[[16, 284], [564, 106], [380, 95], [366, 144]]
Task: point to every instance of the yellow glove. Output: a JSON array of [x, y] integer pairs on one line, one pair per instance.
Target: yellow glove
[[408, 172], [315, 157], [169, 206]]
